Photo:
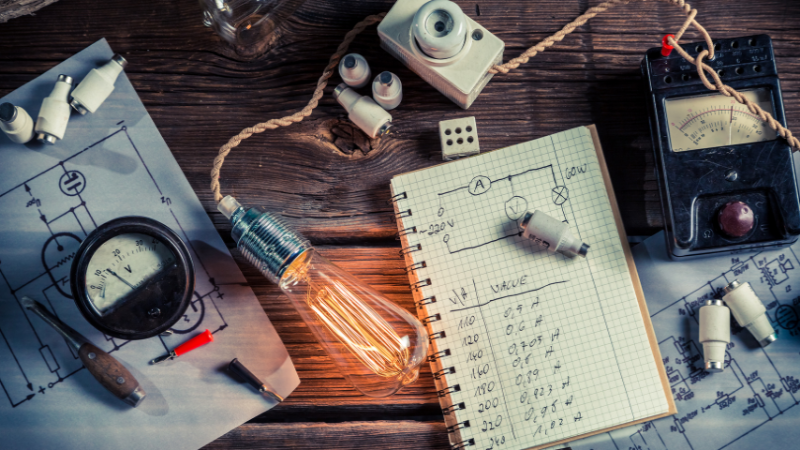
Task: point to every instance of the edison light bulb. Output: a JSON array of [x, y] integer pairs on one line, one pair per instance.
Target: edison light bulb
[[376, 344]]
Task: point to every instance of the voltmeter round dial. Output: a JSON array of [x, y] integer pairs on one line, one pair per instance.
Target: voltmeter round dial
[[714, 120], [132, 278]]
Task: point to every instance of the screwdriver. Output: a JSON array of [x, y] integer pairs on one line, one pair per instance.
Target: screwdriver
[[104, 367]]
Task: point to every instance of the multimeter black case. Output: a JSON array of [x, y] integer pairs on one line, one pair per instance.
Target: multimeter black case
[[696, 185]]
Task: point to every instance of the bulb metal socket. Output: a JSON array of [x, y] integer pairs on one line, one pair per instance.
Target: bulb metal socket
[[266, 241]]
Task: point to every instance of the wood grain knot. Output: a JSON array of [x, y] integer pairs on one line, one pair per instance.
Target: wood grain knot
[[348, 139]]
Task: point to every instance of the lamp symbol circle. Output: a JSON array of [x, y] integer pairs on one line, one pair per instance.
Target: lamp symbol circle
[[560, 194]]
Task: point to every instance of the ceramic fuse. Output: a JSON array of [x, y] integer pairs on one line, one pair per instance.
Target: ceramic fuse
[[354, 70], [551, 233], [749, 311], [16, 123], [715, 333], [97, 86], [387, 90], [363, 111], [54, 113]]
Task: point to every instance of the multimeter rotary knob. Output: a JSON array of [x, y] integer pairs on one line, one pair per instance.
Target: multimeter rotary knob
[[736, 219]]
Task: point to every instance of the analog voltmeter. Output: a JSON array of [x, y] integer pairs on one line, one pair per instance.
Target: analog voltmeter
[[726, 178], [132, 278]]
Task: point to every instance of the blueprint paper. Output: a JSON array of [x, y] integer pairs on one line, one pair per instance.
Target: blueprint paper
[[752, 404], [110, 164]]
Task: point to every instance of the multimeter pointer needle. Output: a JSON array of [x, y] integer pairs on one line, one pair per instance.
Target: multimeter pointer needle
[[119, 278]]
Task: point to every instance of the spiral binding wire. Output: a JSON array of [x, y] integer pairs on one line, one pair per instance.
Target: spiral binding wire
[[434, 318], [397, 197], [446, 371], [420, 284], [449, 390], [417, 286], [459, 425], [410, 249], [426, 301], [416, 266], [459, 445], [406, 231], [437, 335], [454, 407], [439, 355]]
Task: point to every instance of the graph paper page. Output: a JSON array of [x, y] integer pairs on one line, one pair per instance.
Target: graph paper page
[[542, 347]]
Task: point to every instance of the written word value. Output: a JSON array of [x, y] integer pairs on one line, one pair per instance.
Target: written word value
[[507, 285]]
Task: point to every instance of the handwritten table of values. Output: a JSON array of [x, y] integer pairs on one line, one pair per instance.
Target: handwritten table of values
[[529, 347]]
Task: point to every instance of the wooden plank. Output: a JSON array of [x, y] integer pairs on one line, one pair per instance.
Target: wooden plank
[[200, 93], [386, 435]]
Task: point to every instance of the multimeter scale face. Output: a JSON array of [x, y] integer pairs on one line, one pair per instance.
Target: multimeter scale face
[[726, 179], [122, 264], [132, 278], [714, 120]]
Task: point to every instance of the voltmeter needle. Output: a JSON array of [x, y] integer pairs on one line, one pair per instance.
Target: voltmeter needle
[[119, 278]]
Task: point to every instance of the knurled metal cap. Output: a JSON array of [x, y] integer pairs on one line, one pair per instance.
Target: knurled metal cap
[[714, 302], [47, 138], [768, 340], [8, 112], [714, 366], [117, 58], [66, 79], [731, 286]]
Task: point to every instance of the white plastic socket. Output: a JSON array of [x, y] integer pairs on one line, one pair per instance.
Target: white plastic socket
[[54, 112], [387, 90], [423, 42], [459, 138], [715, 334], [227, 206], [16, 123], [749, 311], [354, 70], [551, 233], [363, 111], [97, 86]]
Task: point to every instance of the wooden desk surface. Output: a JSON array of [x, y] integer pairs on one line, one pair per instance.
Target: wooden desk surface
[[333, 187]]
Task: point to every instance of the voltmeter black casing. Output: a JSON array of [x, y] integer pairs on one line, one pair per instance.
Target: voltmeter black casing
[[695, 185]]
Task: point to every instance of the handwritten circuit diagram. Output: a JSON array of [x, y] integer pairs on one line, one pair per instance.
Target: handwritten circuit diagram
[[61, 206], [756, 395], [510, 194]]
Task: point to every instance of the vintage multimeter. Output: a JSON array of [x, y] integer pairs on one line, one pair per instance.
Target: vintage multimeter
[[132, 278], [726, 179]]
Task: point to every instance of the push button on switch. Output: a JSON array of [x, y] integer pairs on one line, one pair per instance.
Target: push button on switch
[[736, 219]]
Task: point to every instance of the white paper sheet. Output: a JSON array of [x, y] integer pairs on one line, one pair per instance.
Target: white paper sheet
[[752, 404], [110, 164]]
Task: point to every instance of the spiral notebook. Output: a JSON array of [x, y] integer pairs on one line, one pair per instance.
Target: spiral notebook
[[529, 348]]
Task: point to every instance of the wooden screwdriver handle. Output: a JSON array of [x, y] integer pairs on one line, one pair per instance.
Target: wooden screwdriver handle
[[111, 374]]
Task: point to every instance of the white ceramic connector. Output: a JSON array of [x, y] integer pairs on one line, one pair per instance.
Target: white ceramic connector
[[387, 90], [715, 334], [363, 111], [227, 206], [54, 112], [354, 70], [459, 138], [749, 311], [442, 45], [551, 233], [97, 86], [16, 123]]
